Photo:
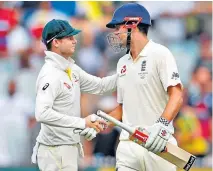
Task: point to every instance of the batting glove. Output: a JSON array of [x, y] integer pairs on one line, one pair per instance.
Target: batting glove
[[88, 133], [159, 135]]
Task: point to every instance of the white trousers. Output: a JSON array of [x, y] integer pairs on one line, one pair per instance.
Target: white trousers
[[57, 158], [132, 157]]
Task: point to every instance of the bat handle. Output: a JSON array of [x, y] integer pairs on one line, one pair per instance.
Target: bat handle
[[116, 122]]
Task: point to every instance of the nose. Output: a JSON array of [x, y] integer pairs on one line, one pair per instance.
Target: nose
[[75, 40], [116, 33]]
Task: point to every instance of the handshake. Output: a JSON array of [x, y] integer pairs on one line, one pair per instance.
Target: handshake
[[94, 124]]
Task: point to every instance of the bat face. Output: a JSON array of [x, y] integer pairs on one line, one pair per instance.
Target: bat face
[[178, 157]]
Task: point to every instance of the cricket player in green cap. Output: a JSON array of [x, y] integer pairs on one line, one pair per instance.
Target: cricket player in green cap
[[59, 85]]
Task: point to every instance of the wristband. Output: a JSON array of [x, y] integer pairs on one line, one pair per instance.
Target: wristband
[[163, 121]]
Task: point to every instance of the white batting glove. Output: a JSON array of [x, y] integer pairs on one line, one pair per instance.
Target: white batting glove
[[88, 133], [159, 135]]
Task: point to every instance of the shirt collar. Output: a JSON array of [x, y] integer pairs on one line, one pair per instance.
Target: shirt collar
[[58, 61], [144, 51]]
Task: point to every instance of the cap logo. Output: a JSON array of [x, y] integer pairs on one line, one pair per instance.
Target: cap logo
[[132, 19]]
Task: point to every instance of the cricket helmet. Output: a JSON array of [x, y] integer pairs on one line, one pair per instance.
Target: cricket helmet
[[129, 10]]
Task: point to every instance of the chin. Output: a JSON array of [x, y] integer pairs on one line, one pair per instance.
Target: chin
[[72, 52]]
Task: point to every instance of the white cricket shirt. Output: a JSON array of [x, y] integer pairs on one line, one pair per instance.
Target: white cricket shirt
[[142, 85], [58, 98]]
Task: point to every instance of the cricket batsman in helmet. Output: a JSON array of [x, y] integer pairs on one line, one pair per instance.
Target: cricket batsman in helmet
[[149, 90]]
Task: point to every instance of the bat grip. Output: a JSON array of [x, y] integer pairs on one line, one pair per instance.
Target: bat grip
[[140, 135], [116, 122]]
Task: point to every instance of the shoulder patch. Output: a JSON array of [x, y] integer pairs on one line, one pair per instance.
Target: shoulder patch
[[45, 86]]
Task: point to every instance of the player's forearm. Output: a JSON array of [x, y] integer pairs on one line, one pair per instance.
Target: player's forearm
[[50, 117], [117, 114], [173, 106]]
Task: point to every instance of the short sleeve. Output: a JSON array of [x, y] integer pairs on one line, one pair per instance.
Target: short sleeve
[[168, 71]]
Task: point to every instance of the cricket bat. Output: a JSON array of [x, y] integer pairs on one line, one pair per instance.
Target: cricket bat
[[172, 153]]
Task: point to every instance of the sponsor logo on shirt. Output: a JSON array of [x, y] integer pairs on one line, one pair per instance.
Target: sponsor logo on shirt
[[67, 85], [123, 71], [175, 75], [75, 78], [45, 86]]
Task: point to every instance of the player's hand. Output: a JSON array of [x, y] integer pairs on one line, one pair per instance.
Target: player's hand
[[104, 126], [88, 133], [159, 135], [94, 121]]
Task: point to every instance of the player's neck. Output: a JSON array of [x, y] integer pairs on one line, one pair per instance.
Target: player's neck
[[137, 46], [61, 54]]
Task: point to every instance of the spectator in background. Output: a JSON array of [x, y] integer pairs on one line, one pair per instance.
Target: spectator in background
[[43, 14], [90, 57], [109, 56], [169, 16], [200, 89], [194, 121], [189, 133], [92, 10], [29, 5], [200, 98], [189, 130], [26, 75], [187, 51], [101, 33], [18, 38], [8, 19], [205, 52], [17, 116], [66, 7], [38, 48]]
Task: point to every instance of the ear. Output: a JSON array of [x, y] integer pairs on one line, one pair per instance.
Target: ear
[[55, 43], [135, 30]]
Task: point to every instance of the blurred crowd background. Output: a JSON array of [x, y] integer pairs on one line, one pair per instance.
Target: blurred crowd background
[[184, 27]]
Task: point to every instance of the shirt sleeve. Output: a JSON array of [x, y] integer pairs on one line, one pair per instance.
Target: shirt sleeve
[[96, 85], [119, 95], [168, 70], [47, 92], [119, 89]]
